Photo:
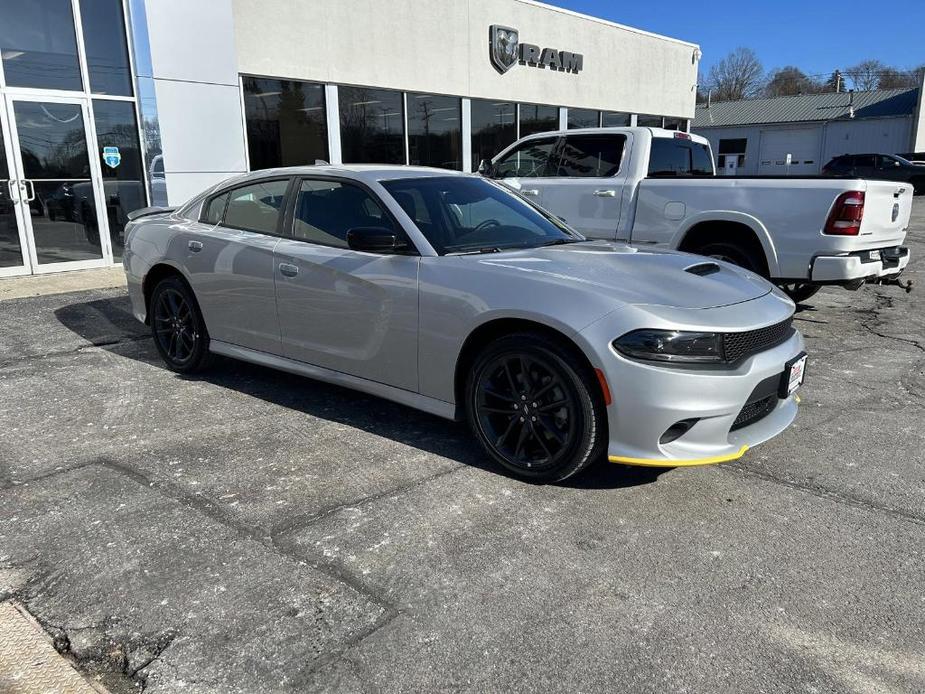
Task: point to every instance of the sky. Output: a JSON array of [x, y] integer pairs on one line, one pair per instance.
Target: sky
[[818, 36]]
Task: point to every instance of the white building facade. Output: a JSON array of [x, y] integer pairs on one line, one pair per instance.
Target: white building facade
[[110, 105]]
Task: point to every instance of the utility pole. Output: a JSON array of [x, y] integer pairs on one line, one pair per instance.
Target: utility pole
[[837, 81]]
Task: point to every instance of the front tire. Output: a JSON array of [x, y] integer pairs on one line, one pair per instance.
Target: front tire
[[536, 408], [177, 326]]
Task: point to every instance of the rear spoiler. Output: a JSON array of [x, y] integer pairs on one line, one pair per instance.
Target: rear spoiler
[[148, 211]]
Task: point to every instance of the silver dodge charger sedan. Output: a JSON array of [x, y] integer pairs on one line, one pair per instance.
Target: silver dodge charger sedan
[[451, 294]]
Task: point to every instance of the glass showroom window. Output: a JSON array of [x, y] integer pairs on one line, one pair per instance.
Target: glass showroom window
[[615, 119], [538, 119], [583, 118], [372, 126], [434, 130], [38, 45], [494, 127], [107, 51], [286, 123], [649, 121], [123, 184]]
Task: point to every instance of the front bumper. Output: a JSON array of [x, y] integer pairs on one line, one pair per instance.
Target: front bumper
[[860, 265], [649, 398]]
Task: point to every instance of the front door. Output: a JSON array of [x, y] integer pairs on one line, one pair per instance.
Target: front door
[[12, 229], [53, 179], [352, 312]]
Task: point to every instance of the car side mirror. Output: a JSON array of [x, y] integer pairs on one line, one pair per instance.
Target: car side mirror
[[375, 240], [897, 164], [485, 168]]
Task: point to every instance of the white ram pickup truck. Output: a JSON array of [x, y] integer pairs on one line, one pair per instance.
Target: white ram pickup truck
[[654, 187]]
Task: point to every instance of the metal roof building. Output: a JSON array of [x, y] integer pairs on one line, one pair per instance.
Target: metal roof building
[[799, 134]]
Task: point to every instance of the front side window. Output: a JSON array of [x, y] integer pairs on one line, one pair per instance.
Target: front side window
[[257, 207], [529, 160], [372, 126], [865, 160], [326, 210], [591, 156], [471, 214], [286, 122]]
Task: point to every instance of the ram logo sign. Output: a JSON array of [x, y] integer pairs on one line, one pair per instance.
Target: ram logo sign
[[505, 50]]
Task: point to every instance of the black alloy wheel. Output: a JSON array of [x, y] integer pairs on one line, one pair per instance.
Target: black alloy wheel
[[732, 253], [177, 326], [535, 408]]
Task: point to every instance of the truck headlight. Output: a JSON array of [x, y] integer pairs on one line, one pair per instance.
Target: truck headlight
[[672, 346]]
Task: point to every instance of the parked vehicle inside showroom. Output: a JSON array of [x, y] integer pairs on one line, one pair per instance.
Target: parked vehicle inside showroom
[[882, 167], [451, 294], [654, 187]]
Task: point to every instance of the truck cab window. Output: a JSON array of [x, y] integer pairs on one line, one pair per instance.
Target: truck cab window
[[676, 157], [529, 160]]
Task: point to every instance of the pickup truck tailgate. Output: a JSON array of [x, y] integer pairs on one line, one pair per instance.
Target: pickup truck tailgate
[[887, 207]]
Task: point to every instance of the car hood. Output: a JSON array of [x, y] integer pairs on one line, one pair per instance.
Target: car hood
[[636, 276]]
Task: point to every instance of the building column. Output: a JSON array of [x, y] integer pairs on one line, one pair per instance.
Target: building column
[[466, 133], [332, 116], [563, 118]]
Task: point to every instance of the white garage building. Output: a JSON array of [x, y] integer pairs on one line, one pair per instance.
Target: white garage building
[[799, 134]]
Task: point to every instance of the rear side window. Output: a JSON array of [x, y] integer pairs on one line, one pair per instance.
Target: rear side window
[[591, 156], [864, 160], [678, 157], [326, 210], [215, 209], [256, 207], [529, 160]]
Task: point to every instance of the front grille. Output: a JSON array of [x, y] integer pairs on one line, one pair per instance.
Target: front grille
[[754, 411], [738, 346]]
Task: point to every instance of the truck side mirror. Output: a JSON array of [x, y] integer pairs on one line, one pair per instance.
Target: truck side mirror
[[485, 168]]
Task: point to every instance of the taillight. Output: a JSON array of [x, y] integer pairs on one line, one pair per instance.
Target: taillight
[[847, 213]]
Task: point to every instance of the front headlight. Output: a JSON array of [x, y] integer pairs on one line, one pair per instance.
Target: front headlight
[[672, 345]]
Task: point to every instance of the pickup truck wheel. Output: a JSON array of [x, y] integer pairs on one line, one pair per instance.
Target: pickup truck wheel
[[536, 408], [800, 291], [732, 253]]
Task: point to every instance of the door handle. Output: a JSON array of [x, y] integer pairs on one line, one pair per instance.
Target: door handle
[[194, 246], [13, 196], [532, 192], [288, 270], [27, 182], [605, 193]]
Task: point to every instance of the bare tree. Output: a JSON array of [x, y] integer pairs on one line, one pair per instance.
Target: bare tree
[[789, 81], [739, 75], [865, 76]]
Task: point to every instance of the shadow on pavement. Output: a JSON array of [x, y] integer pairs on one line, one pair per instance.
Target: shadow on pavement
[[109, 324]]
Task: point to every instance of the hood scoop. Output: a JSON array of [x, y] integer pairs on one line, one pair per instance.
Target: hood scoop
[[703, 269]]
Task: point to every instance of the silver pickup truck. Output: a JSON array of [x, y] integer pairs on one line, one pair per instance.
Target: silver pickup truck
[[654, 187]]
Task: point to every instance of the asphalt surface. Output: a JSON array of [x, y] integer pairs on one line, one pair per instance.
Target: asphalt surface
[[252, 531]]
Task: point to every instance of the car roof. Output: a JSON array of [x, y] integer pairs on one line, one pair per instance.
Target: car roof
[[361, 172]]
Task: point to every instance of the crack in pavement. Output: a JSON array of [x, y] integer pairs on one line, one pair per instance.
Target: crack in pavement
[[75, 350]]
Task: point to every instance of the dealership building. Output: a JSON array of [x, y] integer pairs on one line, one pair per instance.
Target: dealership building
[[111, 105]]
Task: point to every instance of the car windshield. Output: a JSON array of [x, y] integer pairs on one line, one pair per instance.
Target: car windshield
[[461, 214]]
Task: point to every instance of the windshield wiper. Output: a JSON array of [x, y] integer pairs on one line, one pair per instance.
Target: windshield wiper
[[476, 251]]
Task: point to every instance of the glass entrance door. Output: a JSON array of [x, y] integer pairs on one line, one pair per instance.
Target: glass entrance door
[[12, 236], [56, 180]]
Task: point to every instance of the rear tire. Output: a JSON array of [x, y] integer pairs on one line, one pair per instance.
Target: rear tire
[[536, 408], [800, 291], [735, 254], [177, 326]]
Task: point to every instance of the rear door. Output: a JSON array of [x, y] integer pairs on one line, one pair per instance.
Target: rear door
[[229, 257], [346, 310], [585, 186], [526, 167]]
